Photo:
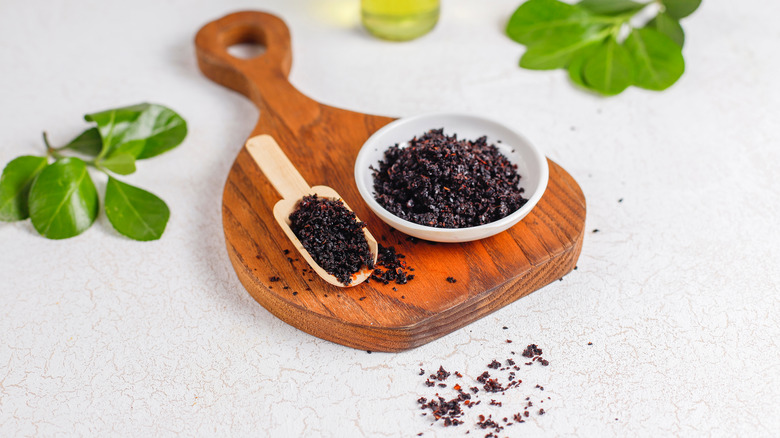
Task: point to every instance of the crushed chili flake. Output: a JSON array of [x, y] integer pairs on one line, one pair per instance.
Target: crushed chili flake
[[450, 412], [440, 181], [390, 267], [451, 280]]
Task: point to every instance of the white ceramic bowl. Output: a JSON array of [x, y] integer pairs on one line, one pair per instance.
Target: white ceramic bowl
[[531, 165]]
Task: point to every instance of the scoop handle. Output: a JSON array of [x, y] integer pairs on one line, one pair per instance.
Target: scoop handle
[[277, 167]]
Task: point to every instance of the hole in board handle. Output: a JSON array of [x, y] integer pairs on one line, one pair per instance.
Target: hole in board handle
[[246, 50]]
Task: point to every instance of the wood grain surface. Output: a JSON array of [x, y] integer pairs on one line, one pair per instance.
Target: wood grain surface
[[323, 142]]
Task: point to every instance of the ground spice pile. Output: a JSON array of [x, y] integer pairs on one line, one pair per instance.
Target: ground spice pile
[[452, 412], [390, 266], [440, 181], [332, 235]]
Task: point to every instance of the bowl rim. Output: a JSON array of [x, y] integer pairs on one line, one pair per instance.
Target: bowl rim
[[536, 156]]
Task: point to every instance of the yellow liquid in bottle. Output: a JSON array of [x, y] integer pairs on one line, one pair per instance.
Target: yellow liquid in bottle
[[399, 20]]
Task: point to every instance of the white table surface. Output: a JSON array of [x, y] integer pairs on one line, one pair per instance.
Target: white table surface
[[678, 291]]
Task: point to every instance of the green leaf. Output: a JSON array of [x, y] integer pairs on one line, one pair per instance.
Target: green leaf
[[88, 143], [121, 163], [537, 20], [611, 7], [658, 59], [556, 51], [669, 27], [609, 70], [63, 199], [134, 212], [680, 8], [578, 62], [145, 130], [15, 183]]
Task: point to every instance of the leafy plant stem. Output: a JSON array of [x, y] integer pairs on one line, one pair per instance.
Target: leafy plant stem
[[55, 153], [56, 192], [51, 151]]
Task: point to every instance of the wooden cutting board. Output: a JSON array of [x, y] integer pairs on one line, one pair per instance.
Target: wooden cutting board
[[323, 142]]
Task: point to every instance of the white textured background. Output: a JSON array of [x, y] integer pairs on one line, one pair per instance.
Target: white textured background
[[678, 292]]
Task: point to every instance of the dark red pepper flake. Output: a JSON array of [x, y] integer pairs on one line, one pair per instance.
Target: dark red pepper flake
[[450, 412], [508, 341], [332, 235], [440, 181], [590, 343], [295, 293], [389, 267], [274, 279], [286, 251], [442, 374], [451, 280], [492, 385], [532, 350]]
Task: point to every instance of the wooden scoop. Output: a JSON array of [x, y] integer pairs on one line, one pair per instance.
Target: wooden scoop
[[292, 187]]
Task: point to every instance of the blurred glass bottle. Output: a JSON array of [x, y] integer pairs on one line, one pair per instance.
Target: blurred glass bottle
[[399, 20]]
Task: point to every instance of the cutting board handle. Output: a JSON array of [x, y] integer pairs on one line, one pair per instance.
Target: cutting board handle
[[277, 167], [263, 79]]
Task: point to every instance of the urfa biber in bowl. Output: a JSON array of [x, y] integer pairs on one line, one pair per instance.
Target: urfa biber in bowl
[[450, 177], [438, 180]]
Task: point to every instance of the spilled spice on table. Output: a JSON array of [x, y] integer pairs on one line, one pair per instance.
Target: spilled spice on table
[[451, 412]]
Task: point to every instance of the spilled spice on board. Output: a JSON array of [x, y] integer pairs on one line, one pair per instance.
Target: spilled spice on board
[[391, 266]]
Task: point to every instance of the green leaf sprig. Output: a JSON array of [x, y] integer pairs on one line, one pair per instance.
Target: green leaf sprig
[[57, 193], [586, 38]]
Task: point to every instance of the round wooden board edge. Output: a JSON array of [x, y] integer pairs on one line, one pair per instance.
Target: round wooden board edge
[[405, 337]]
